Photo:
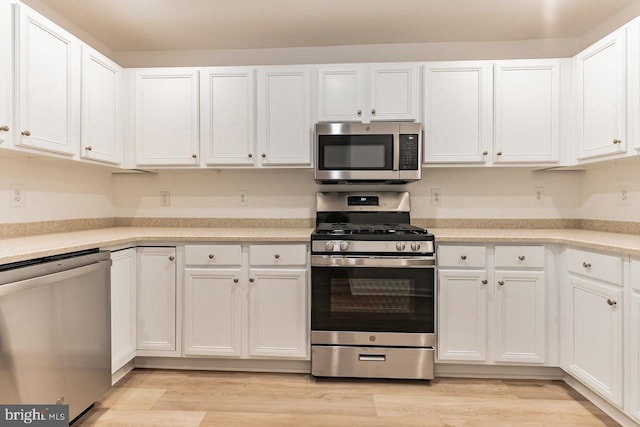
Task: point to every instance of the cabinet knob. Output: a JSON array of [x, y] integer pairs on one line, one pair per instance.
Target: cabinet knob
[[611, 301], [373, 112], [88, 148], [586, 264], [26, 133], [4, 128], [359, 113], [485, 281], [276, 256], [501, 282], [485, 152], [211, 256], [195, 156], [463, 257], [499, 153], [249, 155], [171, 257], [617, 141], [235, 280], [251, 280], [521, 258], [263, 155]]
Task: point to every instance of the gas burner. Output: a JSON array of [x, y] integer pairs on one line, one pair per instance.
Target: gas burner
[[361, 229]]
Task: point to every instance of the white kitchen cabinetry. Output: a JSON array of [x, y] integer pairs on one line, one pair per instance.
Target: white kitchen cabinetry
[[527, 111], [458, 100], [101, 117], [123, 308], [228, 109], [600, 97], [633, 329], [47, 84], [595, 304], [462, 303], [6, 75], [167, 131], [156, 301], [239, 312], [285, 127], [364, 93]]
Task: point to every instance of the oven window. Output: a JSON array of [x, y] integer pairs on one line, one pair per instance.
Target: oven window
[[355, 152], [363, 299]]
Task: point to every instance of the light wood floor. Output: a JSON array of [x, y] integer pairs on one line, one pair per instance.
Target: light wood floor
[[196, 398]]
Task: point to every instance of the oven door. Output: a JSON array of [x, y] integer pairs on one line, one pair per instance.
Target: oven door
[[369, 301]]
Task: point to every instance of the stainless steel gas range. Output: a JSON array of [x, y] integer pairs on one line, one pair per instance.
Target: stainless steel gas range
[[372, 288]]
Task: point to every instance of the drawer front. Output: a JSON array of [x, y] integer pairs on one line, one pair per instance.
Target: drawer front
[[519, 256], [278, 255], [213, 255], [462, 256], [635, 274], [607, 268]]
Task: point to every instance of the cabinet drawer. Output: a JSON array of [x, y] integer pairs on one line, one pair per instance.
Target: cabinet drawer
[[462, 256], [519, 256], [278, 255], [213, 255], [635, 274], [607, 268]]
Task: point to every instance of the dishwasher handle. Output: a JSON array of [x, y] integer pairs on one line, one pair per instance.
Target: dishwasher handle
[[23, 285]]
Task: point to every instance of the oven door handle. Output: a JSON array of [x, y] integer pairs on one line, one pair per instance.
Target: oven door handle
[[332, 261]]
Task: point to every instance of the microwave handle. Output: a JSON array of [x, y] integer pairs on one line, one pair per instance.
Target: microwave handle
[[396, 150]]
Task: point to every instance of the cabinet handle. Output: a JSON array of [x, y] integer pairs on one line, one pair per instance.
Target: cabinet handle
[[617, 141], [251, 280], [88, 148], [485, 152], [499, 153], [26, 133], [611, 301], [211, 256], [235, 280], [586, 264], [359, 113], [4, 128], [277, 256], [485, 281], [373, 112], [463, 257], [501, 282], [521, 258], [171, 257], [249, 155]]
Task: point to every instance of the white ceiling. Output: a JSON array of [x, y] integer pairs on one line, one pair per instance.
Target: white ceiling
[[246, 24]]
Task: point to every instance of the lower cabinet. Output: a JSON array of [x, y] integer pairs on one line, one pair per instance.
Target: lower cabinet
[[246, 301], [156, 301], [633, 330], [123, 307]]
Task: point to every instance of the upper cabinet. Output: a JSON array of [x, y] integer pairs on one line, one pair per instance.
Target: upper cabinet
[[167, 129], [47, 83], [6, 76], [101, 131], [527, 111], [457, 111], [365, 93], [600, 98]]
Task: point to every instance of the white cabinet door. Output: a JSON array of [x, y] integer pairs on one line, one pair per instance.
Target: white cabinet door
[[213, 312], [462, 308], [600, 73], [48, 89], [101, 134], [596, 336], [458, 99], [520, 317], [634, 355], [6, 75], [527, 111], [228, 115], [123, 308], [278, 325], [166, 123], [156, 301], [340, 94], [393, 92], [284, 116]]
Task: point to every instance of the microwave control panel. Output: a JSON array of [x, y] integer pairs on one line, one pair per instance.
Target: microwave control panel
[[409, 152]]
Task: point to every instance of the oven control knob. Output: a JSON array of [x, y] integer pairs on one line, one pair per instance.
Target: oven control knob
[[344, 245], [400, 246], [415, 246], [329, 245]]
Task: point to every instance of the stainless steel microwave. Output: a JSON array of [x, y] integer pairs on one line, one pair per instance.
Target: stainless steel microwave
[[386, 152]]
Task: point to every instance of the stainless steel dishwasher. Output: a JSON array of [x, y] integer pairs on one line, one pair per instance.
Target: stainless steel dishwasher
[[55, 333]]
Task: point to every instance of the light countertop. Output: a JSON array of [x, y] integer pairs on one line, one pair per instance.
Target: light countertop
[[23, 248]]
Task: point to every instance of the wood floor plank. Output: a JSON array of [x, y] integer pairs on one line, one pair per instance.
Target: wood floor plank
[[144, 418]]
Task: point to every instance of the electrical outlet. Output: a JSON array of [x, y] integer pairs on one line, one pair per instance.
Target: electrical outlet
[[243, 196], [624, 198], [538, 193], [436, 196], [17, 195], [165, 198]]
